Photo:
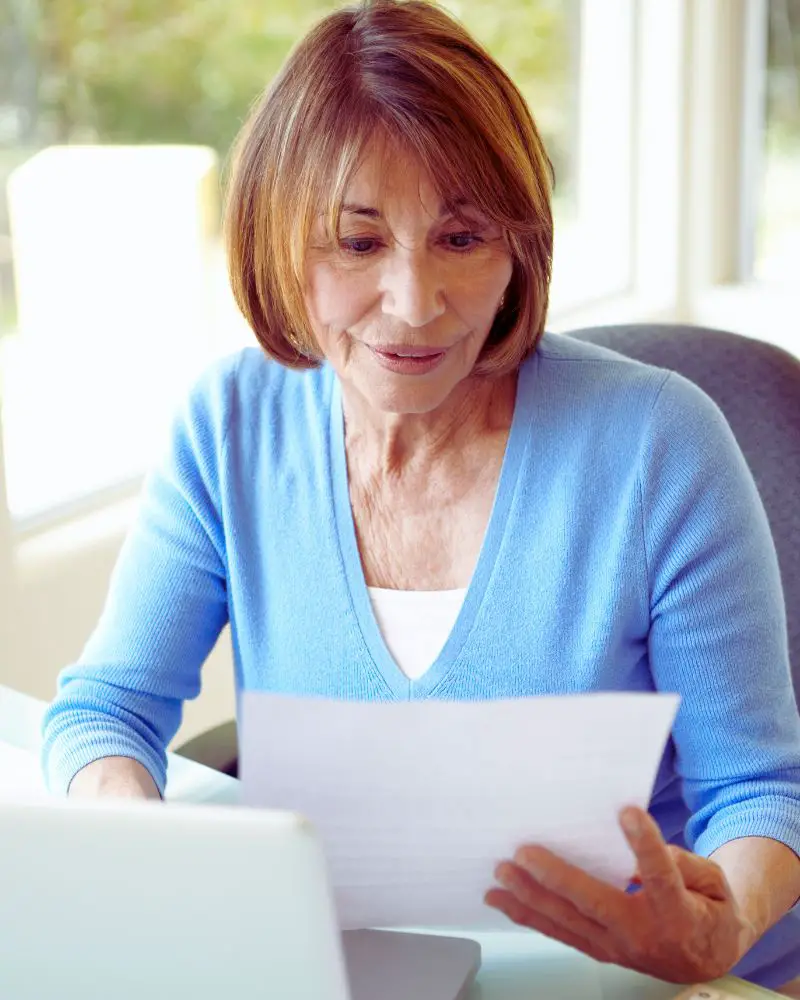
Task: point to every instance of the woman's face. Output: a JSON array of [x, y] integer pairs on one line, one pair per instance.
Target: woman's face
[[403, 300]]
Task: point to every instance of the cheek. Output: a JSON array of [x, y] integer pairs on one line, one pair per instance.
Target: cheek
[[477, 292], [335, 298]]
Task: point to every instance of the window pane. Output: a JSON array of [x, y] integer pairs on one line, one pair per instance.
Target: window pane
[[778, 238], [94, 350], [537, 43]]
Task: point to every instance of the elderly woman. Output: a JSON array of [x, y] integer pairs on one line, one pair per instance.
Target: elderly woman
[[411, 491]]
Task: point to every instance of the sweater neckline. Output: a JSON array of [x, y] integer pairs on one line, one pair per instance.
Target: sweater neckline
[[398, 684]]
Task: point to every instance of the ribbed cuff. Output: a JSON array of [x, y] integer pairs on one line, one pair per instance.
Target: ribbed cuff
[[69, 753], [773, 821]]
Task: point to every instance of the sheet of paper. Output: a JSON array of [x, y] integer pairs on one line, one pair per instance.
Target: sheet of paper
[[20, 775], [416, 802]]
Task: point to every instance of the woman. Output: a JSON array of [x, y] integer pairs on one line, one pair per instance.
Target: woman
[[420, 495]]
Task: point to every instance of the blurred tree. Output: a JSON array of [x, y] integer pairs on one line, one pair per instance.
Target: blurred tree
[[188, 70], [783, 74], [158, 70], [18, 101]]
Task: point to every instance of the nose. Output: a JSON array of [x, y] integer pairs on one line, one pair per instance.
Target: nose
[[413, 291]]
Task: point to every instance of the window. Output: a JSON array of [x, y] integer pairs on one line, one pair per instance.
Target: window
[[778, 223], [741, 199], [538, 44], [120, 293]]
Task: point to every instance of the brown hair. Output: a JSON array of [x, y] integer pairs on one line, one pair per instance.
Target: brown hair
[[406, 70]]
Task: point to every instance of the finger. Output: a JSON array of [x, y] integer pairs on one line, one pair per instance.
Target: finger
[[674, 850], [555, 908], [595, 899], [636, 878], [701, 875], [656, 865], [515, 910]]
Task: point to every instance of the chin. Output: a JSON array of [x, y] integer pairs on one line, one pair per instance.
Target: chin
[[393, 396]]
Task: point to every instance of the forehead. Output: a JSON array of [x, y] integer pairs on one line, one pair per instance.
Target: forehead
[[389, 178]]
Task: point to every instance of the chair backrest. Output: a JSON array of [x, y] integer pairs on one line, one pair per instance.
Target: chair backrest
[[757, 387]]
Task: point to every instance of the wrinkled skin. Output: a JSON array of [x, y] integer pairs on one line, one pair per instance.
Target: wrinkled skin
[[683, 925]]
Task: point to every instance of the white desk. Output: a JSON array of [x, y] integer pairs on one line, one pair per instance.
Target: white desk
[[518, 965]]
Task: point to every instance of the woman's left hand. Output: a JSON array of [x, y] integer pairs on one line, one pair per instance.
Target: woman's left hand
[[683, 925]]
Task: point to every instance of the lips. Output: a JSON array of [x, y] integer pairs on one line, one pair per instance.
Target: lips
[[407, 351], [403, 359]]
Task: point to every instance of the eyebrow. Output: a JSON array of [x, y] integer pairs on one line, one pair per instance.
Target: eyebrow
[[371, 213], [446, 208]]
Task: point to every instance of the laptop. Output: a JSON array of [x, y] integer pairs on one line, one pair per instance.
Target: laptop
[[129, 900]]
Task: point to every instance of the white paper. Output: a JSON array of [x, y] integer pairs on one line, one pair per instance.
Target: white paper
[[20, 775], [416, 802]]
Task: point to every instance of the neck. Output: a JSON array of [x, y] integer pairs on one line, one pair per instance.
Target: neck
[[392, 443]]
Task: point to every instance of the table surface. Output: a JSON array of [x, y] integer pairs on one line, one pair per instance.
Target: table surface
[[517, 965]]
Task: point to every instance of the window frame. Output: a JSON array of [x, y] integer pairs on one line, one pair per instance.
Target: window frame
[[727, 46], [594, 252]]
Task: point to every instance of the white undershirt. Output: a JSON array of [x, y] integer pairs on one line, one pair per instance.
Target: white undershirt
[[415, 624]]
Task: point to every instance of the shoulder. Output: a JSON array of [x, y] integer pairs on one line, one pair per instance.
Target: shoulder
[[624, 387], [591, 377], [246, 387], [564, 357], [241, 411], [621, 417]]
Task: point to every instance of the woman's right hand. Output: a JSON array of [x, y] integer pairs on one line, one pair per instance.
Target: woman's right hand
[[113, 777]]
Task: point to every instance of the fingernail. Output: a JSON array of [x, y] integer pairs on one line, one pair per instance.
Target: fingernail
[[528, 860], [631, 823], [501, 873]]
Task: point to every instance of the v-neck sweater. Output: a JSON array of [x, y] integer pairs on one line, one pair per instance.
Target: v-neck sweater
[[627, 549]]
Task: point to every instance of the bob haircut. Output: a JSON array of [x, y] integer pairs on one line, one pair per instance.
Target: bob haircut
[[406, 71]]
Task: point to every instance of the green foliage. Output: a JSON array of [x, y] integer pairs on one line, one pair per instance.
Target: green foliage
[[165, 71], [188, 70], [535, 41], [783, 79]]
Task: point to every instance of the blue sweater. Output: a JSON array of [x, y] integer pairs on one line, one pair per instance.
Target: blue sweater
[[627, 550]]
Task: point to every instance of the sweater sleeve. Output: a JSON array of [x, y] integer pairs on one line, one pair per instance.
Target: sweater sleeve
[[166, 606], [718, 632]]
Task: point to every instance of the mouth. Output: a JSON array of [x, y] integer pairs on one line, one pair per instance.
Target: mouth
[[408, 351], [406, 360]]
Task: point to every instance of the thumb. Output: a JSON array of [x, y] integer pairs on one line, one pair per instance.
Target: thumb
[[701, 875]]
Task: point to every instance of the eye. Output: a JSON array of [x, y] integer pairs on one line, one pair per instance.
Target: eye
[[465, 241], [361, 247]]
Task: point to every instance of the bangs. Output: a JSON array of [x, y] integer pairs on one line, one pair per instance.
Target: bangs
[[464, 172]]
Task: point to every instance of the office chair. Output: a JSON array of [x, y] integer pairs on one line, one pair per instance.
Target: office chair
[[757, 387]]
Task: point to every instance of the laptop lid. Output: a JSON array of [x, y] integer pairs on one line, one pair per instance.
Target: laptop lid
[[128, 900]]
